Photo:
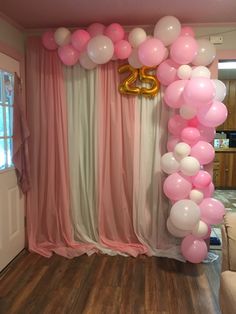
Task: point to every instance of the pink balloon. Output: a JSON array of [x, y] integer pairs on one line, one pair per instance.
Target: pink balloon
[[176, 124], [115, 32], [212, 211], [193, 122], [79, 39], [122, 49], [173, 93], [49, 41], [213, 116], [184, 49], [68, 55], [206, 134], [190, 135], [204, 152], [172, 141], [176, 187], [202, 179], [193, 249], [199, 91], [96, 29], [151, 52], [167, 72], [209, 190], [187, 31]]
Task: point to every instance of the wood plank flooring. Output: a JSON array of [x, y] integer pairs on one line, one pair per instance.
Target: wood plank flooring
[[102, 284]]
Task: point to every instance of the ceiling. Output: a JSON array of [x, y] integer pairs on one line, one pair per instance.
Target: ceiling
[[54, 13]]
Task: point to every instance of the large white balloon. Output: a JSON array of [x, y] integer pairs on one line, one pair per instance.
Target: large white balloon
[[189, 166], [220, 90], [206, 52], [201, 71], [86, 62], [200, 230], [62, 36], [181, 150], [175, 231], [187, 112], [167, 29], [100, 49], [134, 59], [169, 164], [184, 72], [137, 36], [196, 196]]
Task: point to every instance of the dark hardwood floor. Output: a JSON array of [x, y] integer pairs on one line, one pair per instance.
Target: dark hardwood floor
[[104, 284]]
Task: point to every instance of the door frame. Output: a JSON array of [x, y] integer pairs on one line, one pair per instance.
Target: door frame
[[220, 55]]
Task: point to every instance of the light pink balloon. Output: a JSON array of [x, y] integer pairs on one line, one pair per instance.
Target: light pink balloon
[[184, 49], [199, 91], [204, 152], [212, 211], [193, 249], [207, 134], [173, 95], [213, 116], [151, 52], [68, 55], [167, 72], [193, 122], [176, 187], [176, 124], [115, 32], [122, 49], [209, 190], [96, 29], [172, 141], [202, 179], [187, 31], [79, 39], [49, 41], [190, 135]]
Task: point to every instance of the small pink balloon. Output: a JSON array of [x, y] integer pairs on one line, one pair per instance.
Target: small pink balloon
[[207, 134], [171, 143], [184, 49], [176, 187], [193, 249], [209, 190], [68, 55], [214, 115], [115, 32], [193, 122], [212, 211], [122, 49], [176, 124], [167, 72], [79, 39], [151, 52], [202, 179], [190, 135], [204, 152], [173, 93], [96, 29], [187, 31], [49, 41]]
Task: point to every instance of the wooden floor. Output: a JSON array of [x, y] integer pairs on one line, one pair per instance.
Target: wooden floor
[[104, 284]]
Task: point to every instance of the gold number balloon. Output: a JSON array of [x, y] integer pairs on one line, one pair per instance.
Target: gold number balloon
[[149, 79], [126, 86]]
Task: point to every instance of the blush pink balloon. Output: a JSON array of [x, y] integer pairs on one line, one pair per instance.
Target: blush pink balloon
[[187, 31], [176, 124], [184, 49], [173, 93], [49, 41], [167, 72], [213, 116], [68, 55], [193, 249], [151, 52], [176, 187], [96, 29], [209, 190], [212, 211], [171, 143], [190, 135], [79, 39], [115, 32], [203, 151], [207, 134], [202, 179], [122, 49], [193, 122]]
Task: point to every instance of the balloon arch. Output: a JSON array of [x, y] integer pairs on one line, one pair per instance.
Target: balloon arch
[[181, 63]]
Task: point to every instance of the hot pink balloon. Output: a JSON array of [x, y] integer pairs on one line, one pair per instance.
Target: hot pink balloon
[[204, 152], [176, 124], [49, 41], [193, 249], [115, 32], [202, 179], [187, 31], [68, 55], [193, 122], [151, 52], [79, 39], [167, 72], [207, 134], [212, 211], [184, 49], [122, 49], [96, 29], [214, 115], [172, 141], [190, 135], [173, 94], [176, 187]]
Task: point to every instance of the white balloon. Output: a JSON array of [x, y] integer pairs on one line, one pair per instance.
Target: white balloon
[[187, 112], [196, 196], [134, 59], [184, 72], [181, 150], [167, 29], [200, 230], [100, 49], [189, 166], [220, 90], [137, 36], [175, 231], [169, 164], [62, 36], [201, 71], [206, 52], [86, 62]]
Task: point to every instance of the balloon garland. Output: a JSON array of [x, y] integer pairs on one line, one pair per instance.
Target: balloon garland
[[181, 63]]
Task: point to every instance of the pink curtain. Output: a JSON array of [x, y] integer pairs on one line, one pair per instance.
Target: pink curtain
[[48, 218], [116, 158]]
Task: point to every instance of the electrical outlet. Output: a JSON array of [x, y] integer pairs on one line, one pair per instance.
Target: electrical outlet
[[216, 39]]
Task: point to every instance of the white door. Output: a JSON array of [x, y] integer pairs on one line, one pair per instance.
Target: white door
[[12, 231]]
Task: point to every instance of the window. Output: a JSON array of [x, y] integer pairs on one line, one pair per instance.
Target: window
[[6, 118]]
